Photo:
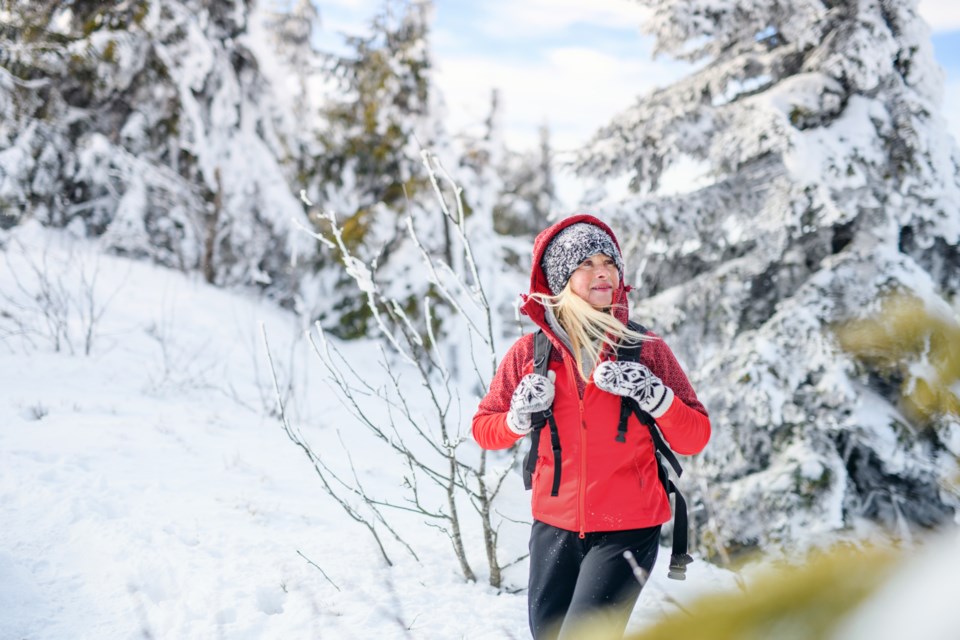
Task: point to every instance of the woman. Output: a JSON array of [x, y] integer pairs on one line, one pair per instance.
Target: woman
[[610, 498]]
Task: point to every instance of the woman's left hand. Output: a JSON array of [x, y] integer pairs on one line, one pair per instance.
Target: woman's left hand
[[636, 381]]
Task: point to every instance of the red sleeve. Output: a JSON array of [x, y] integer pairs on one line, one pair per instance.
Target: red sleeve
[[685, 425], [490, 422]]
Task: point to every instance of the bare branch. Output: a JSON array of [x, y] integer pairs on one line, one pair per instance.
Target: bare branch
[[319, 568], [425, 432], [320, 469]]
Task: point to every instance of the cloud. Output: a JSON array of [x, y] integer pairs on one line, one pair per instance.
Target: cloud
[[565, 63], [541, 17], [941, 15], [573, 89], [365, 7]]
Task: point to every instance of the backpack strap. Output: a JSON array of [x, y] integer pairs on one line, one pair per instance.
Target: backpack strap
[[629, 353], [679, 558], [541, 365]]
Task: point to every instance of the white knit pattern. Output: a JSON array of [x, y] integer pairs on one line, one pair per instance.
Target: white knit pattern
[[533, 393], [636, 381], [570, 247]]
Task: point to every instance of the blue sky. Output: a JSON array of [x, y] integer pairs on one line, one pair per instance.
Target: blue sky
[[570, 63]]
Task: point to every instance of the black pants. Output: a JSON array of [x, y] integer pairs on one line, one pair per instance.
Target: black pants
[[578, 582]]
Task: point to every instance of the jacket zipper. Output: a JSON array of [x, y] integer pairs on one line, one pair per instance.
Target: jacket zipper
[[583, 472], [582, 480]]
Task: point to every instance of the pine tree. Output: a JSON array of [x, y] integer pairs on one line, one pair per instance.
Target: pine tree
[[148, 125], [521, 183], [368, 169], [293, 31], [529, 194], [826, 181]]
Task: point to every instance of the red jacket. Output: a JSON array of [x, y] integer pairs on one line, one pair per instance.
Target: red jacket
[[605, 485]]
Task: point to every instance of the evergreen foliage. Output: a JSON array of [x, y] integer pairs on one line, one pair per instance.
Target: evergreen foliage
[[906, 344], [147, 124], [529, 192], [367, 168], [292, 32]]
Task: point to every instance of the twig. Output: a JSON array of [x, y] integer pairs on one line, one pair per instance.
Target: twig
[[320, 569], [639, 573], [318, 466]]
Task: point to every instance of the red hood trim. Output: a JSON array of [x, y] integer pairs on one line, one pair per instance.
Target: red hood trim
[[532, 308]]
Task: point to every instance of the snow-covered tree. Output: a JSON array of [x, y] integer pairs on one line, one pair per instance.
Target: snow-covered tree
[[501, 208], [149, 125], [292, 29], [529, 192], [520, 183], [368, 169], [823, 179]]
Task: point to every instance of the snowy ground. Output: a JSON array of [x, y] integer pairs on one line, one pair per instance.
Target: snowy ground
[[146, 492]]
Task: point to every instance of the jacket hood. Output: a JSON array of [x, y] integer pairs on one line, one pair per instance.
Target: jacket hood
[[532, 307]]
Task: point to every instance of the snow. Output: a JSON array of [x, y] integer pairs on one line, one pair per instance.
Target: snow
[[147, 492]]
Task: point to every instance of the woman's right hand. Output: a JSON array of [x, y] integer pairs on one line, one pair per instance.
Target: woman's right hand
[[534, 393]]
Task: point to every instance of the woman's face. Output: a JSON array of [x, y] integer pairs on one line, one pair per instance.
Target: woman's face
[[595, 280]]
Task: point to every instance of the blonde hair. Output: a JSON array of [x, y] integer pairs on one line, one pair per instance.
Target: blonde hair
[[589, 329]]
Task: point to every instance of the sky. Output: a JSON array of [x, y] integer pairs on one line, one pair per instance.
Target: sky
[[568, 63]]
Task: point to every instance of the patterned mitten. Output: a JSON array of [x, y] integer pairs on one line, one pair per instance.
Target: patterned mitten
[[534, 393], [636, 381]]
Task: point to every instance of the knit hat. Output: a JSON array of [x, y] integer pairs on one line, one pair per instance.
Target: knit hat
[[570, 247]]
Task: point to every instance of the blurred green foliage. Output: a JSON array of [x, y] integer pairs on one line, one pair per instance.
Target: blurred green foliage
[[905, 341], [787, 602]]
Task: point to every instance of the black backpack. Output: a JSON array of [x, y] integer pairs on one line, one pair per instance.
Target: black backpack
[[679, 558]]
